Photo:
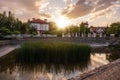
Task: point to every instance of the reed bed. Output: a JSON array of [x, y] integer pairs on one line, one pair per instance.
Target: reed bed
[[53, 53]]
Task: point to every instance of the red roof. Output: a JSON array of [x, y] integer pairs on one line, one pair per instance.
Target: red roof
[[39, 21]]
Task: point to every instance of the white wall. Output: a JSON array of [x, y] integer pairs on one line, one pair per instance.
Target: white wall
[[43, 27]]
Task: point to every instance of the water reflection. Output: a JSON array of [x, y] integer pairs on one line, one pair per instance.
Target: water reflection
[[115, 55], [11, 69], [17, 67]]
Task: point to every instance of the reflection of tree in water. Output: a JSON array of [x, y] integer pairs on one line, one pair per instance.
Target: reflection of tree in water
[[11, 62], [111, 53], [7, 62], [101, 50], [113, 56]]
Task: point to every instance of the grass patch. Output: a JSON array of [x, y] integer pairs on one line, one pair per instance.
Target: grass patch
[[53, 53]]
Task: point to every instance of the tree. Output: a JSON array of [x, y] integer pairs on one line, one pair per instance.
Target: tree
[[114, 29], [82, 28], [17, 25], [3, 19], [32, 30], [4, 31], [12, 25], [25, 28], [72, 29]]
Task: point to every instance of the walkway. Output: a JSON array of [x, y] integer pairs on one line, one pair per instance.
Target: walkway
[[106, 72], [6, 49]]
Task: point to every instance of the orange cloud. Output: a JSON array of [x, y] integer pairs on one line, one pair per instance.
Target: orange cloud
[[69, 8], [84, 7]]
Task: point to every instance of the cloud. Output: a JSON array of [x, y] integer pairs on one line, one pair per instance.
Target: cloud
[[77, 10], [45, 15], [69, 8], [67, 1], [24, 9], [84, 7]]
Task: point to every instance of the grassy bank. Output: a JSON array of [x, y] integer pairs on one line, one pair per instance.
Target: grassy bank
[[53, 52]]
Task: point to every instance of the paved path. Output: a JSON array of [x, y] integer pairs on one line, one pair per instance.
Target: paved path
[[6, 49], [106, 72]]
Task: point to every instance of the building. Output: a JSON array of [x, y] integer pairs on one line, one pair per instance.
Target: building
[[97, 29], [86, 24], [100, 31], [41, 25]]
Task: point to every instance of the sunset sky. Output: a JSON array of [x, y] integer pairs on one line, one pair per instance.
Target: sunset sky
[[96, 12]]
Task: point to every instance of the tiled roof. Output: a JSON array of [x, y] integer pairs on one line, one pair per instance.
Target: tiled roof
[[39, 21]]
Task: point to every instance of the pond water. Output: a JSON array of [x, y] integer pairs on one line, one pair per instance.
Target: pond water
[[10, 69]]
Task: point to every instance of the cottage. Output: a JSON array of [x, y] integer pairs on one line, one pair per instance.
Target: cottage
[[100, 31], [41, 25]]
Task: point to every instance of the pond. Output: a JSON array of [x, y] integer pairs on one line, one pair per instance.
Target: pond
[[12, 69]]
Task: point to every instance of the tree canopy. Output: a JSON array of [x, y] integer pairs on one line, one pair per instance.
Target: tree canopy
[[114, 29], [11, 25]]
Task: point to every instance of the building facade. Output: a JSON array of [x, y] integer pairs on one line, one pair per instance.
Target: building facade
[[41, 25], [98, 31]]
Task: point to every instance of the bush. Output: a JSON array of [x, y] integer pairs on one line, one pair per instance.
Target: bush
[[4, 31]]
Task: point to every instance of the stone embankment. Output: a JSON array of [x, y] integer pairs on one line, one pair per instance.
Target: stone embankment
[[6, 49], [110, 71]]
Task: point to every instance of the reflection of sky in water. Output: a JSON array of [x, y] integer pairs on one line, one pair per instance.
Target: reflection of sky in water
[[98, 60], [17, 74]]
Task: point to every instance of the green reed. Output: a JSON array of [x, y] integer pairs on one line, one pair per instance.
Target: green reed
[[53, 53]]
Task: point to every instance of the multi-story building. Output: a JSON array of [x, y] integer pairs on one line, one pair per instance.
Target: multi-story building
[[41, 25]]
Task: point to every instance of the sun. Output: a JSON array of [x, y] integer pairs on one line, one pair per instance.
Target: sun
[[62, 22]]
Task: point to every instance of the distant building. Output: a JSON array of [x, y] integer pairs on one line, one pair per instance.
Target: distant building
[[97, 29], [41, 25], [100, 31], [86, 24]]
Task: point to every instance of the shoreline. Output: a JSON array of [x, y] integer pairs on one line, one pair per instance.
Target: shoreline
[[105, 72], [95, 74], [6, 49]]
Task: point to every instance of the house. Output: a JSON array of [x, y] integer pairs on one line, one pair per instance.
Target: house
[[100, 31], [41, 25], [97, 29]]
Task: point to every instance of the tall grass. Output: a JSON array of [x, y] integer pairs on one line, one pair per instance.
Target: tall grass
[[53, 53], [48, 56]]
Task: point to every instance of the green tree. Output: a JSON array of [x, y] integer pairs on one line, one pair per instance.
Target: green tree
[[16, 32], [11, 25], [32, 30], [73, 29], [17, 25], [82, 28], [25, 28], [114, 29], [3, 19], [4, 31]]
